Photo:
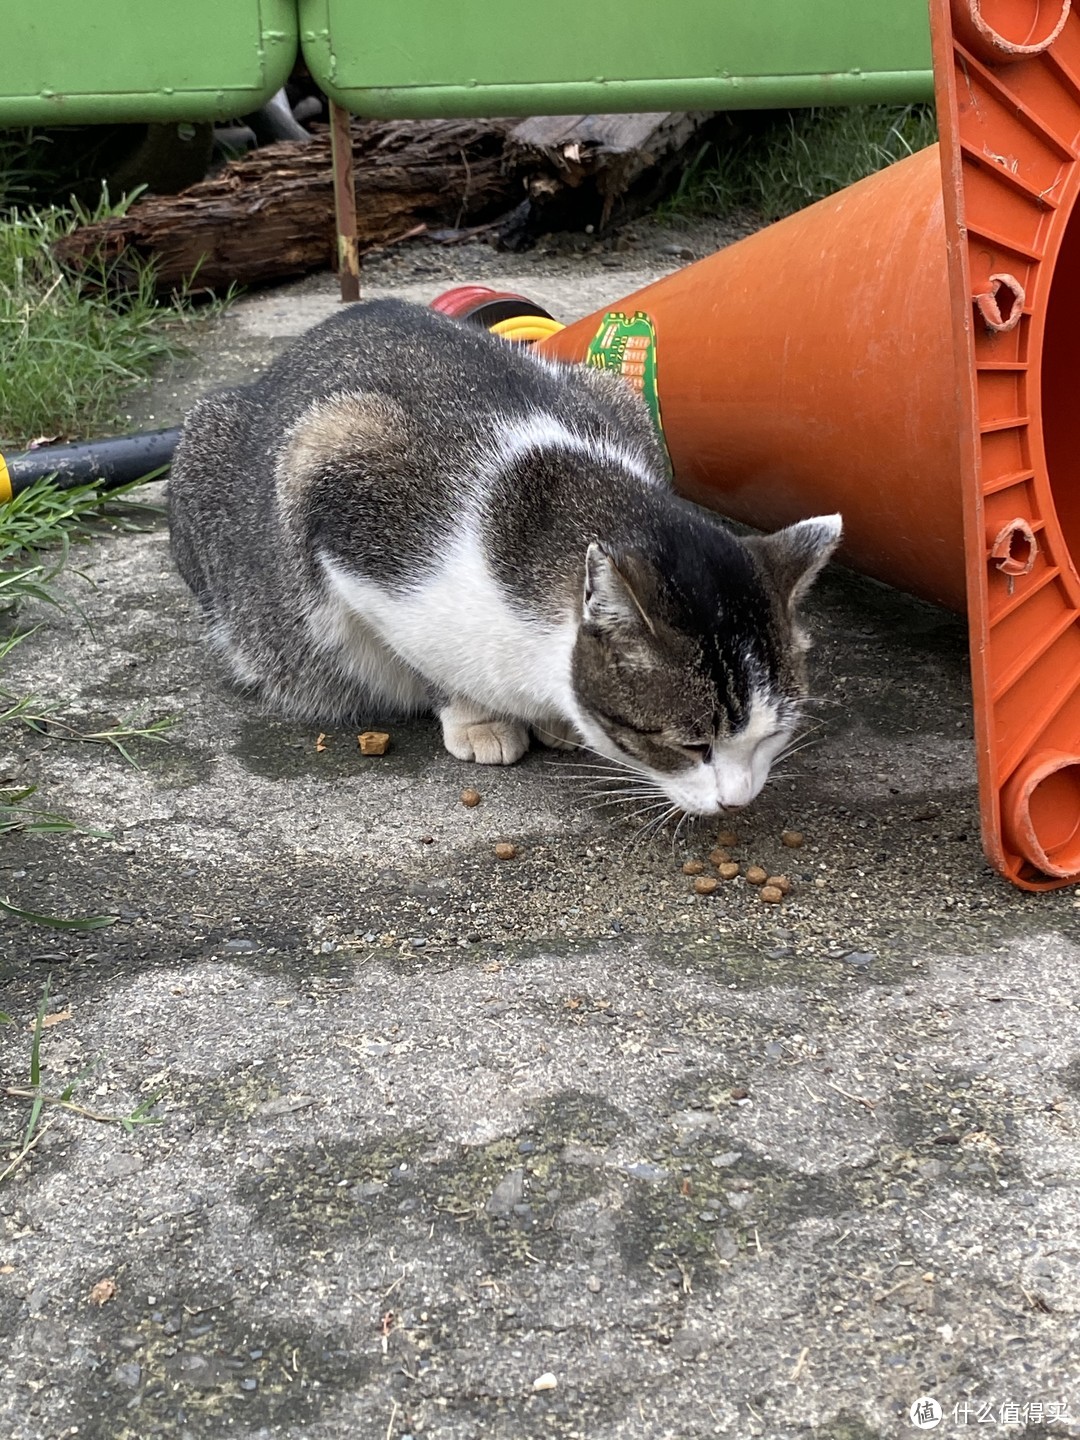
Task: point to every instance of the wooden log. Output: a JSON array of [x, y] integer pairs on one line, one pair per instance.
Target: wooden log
[[270, 214], [583, 170]]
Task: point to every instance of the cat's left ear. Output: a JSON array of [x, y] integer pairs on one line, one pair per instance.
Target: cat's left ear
[[610, 602], [793, 558]]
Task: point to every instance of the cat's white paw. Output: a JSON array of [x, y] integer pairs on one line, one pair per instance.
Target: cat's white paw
[[488, 742], [557, 735]]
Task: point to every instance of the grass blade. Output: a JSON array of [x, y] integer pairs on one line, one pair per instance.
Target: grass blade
[[57, 922]]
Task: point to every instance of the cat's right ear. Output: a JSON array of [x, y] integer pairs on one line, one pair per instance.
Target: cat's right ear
[[609, 603], [794, 557]]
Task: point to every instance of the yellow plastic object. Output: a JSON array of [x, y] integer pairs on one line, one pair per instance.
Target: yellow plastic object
[[526, 329]]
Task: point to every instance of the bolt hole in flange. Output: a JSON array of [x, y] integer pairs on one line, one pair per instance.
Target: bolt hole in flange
[[1014, 548], [1001, 31], [1041, 812], [1002, 305]]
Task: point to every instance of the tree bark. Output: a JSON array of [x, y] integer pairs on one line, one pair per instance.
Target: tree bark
[[270, 214]]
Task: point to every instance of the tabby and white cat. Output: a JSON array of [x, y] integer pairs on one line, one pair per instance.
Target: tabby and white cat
[[403, 513]]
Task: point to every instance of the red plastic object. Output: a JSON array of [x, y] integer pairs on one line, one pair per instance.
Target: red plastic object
[[481, 305], [903, 353]]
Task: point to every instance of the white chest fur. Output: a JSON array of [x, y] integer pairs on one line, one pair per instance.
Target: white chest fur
[[455, 626]]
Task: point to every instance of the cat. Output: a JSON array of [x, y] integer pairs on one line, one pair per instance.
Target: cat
[[405, 513]]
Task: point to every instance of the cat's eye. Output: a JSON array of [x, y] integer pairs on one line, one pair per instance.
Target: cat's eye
[[703, 750]]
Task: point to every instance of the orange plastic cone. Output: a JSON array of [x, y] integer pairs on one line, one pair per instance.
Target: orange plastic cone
[[902, 353]]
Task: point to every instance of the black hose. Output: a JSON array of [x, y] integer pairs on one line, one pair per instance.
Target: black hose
[[103, 462]]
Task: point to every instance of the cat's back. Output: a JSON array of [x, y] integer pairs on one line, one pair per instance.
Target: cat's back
[[449, 377]]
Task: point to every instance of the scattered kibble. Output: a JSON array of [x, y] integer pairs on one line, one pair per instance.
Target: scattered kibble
[[779, 882], [792, 839], [719, 856], [728, 870], [727, 838], [470, 797], [771, 894], [705, 884], [740, 1092], [373, 742], [692, 867], [756, 874], [103, 1291], [505, 851]]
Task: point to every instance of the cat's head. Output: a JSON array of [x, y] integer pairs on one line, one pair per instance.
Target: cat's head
[[689, 661]]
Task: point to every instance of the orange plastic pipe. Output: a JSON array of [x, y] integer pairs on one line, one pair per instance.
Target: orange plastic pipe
[[903, 353], [808, 369]]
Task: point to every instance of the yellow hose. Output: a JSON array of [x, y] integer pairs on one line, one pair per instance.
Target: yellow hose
[[526, 329], [6, 492]]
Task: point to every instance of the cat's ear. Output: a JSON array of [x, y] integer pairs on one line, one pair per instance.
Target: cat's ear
[[609, 602], [793, 558]]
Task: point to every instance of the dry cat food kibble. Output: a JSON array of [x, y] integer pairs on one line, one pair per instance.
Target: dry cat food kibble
[[505, 851], [771, 894], [692, 867], [705, 884], [792, 839], [727, 838], [719, 857], [728, 870], [779, 882], [470, 797], [373, 742], [756, 875]]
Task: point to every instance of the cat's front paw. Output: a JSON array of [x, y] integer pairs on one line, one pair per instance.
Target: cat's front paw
[[557, 735], [488, 742]]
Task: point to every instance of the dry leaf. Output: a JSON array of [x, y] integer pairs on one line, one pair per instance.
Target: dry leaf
[[48, 1021], [320, 744], [7, 1269], [103, 1291]]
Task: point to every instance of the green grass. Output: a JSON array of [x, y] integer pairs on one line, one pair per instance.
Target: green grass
[[775, 165], [37, 532], [70, 348], [20, 1146]]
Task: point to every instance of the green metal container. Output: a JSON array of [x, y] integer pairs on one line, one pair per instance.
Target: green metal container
[[475, 57], [79, 62]]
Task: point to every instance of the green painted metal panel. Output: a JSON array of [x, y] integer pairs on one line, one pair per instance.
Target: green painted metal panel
[[84, 61], [480, 57]]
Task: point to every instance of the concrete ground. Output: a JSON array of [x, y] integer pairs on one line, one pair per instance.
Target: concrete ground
[[551, 1146]]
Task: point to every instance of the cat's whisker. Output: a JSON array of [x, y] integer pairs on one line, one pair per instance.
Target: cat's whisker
[[601, 764], [794, 750], [624, 800], [674, 839], [642, 811], [650, 828]]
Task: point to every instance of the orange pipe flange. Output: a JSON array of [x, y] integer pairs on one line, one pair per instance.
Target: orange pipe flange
[[903, 352]]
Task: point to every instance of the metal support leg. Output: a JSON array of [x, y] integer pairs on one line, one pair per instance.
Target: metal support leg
[[345, 202]]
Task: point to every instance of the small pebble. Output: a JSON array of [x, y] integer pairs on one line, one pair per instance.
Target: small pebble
[[373, 742], [593, 1285], [728, 870], [545, 1382], [756, 875], [771, 894], [705, 884], [505, 851], [792, 839], [719, 857], [470, 797], [779, 882], [692, 867], [727, 838]]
